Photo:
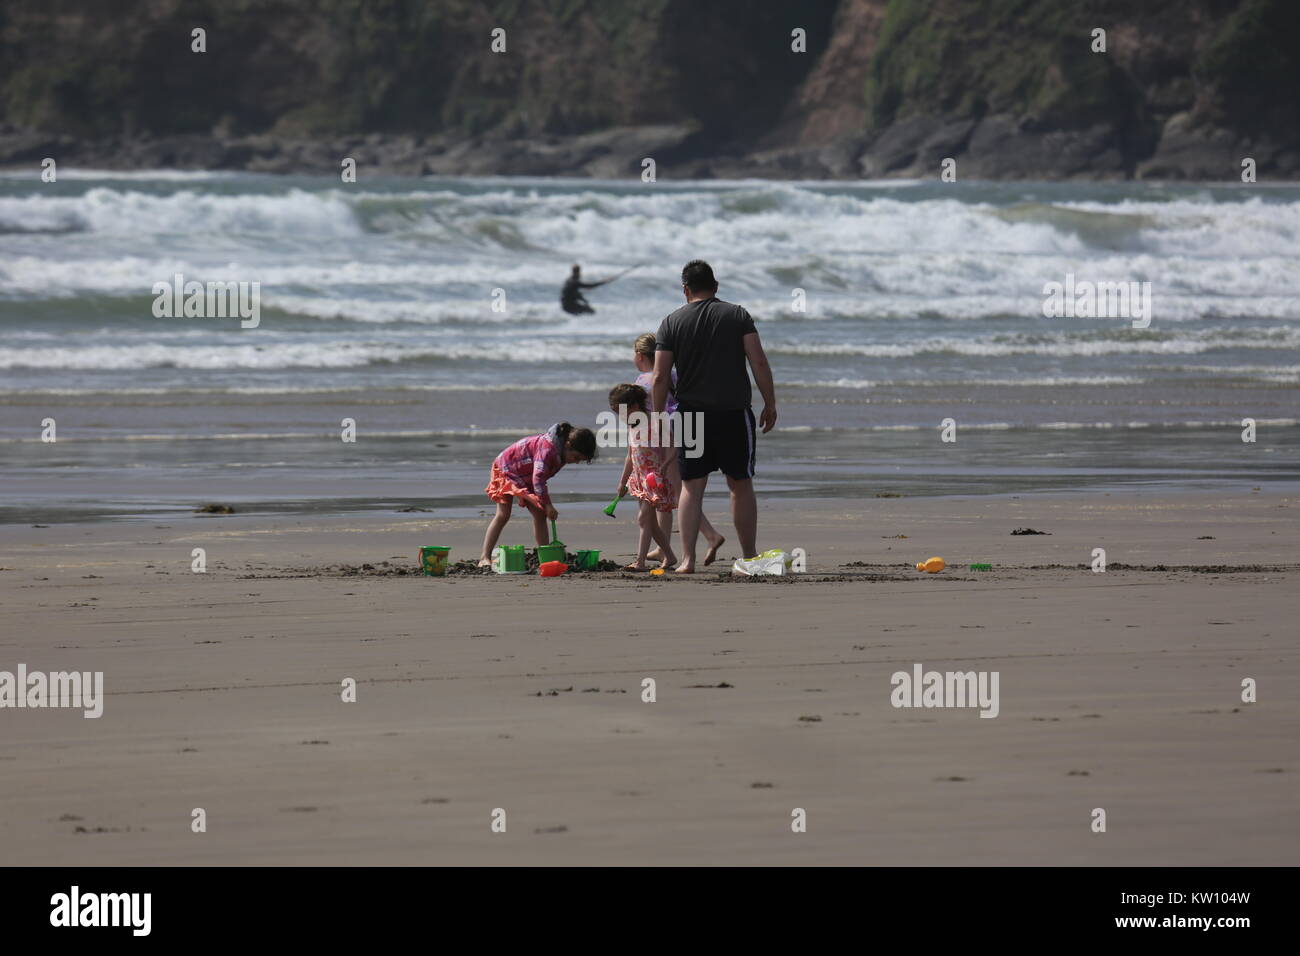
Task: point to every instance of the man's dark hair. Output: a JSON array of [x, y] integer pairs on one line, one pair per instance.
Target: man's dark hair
[[697, 275]]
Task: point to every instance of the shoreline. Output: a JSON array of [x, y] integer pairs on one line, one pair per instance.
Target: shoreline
[[581, 506]]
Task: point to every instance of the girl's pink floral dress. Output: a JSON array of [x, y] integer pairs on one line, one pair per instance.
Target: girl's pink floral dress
[[522, 470], [649, 459]]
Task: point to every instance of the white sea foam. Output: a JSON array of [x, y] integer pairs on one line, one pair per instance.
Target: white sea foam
[[857, 253], [264, 352], [130, 213], [947, 283], [261, 354], [177, 395], [1028, 381]]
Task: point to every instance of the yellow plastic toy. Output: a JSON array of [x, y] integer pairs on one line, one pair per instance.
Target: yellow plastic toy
[[931, 565]]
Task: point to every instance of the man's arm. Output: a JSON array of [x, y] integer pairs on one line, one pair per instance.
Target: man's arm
[[663, 378], [762, 377]]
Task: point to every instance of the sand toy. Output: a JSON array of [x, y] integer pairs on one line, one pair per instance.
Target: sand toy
[[550, 552], [433, 559], [586, 560], [509, 559]]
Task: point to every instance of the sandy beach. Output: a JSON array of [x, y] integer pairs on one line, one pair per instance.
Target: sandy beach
[[1119, 690]]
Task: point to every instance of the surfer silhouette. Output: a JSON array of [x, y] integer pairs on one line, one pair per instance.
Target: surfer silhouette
[[571, 297]]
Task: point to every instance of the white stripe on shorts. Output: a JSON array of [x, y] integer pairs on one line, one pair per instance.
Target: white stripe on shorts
[[749, 435]]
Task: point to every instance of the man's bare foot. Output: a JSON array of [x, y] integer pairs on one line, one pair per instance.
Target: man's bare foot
[[712, 554], [686, 567]]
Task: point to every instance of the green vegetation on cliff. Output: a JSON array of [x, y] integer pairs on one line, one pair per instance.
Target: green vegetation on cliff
[[1234, 59], [1010, 70], [97, 68]]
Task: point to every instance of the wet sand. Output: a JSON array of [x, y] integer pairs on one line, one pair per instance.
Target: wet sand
[[1118, 690]]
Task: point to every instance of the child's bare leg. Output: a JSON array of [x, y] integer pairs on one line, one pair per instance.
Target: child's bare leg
[[495, 527], [666, 526], [651, 525], [674, 472], [539, 524], [643, 538]]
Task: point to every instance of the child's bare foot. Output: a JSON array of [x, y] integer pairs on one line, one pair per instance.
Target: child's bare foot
[[669, 562], [635, 567], [485, 562], [712, 554], [686, 567], [655, 555]]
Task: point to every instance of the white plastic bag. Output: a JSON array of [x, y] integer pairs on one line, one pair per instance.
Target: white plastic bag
[[769, 562]]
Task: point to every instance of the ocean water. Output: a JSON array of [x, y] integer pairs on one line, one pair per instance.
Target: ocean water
[[924, 301]]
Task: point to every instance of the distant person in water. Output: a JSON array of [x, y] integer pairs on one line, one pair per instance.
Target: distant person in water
[[571, 298]]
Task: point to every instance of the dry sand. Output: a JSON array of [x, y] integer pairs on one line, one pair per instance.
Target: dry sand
[[1119, 690]]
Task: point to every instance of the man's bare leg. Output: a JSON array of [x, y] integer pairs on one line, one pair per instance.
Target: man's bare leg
[[712, 536], [710, 533], [744, 512], [691, 508]]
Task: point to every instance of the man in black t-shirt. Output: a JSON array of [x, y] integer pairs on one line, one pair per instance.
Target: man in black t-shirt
[[709, 341]]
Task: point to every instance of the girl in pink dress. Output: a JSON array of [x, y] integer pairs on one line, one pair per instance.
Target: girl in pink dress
[[643, 355], [646, 472], [522, 471]]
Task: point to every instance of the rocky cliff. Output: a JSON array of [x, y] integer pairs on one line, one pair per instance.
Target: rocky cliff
[[1008, 88]]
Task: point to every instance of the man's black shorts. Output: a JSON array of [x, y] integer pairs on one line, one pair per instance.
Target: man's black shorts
[[727, 444]]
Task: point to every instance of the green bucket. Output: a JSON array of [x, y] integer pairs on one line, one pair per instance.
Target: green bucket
[[433, 559], [550, 552], [587, 560], [509, 559]]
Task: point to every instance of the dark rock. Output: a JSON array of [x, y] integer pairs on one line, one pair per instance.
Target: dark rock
[[1004, 147], [24, 147]]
